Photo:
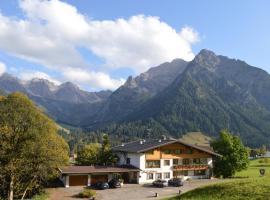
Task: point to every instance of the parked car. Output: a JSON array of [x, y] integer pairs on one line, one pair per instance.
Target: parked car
[[160, 183], [114, 183], [176, 182], [102, 186]]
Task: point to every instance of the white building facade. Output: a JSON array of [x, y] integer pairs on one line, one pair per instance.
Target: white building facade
[[166, 159]]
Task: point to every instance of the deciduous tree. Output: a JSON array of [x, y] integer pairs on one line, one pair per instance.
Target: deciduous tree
[[89, 154], [234, 155], [30, 149]]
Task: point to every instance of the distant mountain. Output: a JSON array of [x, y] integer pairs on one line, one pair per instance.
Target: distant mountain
[[212, 93], [66, 103]]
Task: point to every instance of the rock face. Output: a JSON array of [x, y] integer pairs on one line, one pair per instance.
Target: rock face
[[138, 90]]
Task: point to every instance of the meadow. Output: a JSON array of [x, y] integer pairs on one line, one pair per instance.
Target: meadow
[[247, 184]]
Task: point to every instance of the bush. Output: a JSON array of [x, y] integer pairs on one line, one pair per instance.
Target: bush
[[87, 193]]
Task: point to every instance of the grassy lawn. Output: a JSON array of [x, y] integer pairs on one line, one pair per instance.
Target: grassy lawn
[[246, 185]]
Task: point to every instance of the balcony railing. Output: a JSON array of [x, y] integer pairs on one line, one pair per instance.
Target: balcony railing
[[191, 167]]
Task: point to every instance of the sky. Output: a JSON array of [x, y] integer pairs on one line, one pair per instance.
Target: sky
[[97, 44]]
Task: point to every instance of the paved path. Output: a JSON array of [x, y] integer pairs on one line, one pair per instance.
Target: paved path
[[130, 191]]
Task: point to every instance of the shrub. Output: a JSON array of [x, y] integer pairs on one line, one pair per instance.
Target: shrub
[[87, 193]]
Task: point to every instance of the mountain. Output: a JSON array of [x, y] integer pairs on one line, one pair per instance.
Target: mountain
[[137, 91], [212, 93], [66, 103], [207, 94]]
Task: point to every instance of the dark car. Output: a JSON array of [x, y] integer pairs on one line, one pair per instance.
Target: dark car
[[160, 183], [102, 186], [176, 182], [114, 183]]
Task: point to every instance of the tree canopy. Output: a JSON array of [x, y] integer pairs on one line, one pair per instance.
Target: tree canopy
[[88, 154], [97, 154], [234, 155], [30, 148]]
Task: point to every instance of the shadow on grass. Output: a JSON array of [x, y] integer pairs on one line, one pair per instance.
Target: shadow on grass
[[265, 165]]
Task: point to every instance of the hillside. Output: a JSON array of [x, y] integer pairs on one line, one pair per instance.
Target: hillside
[[209, 95], [252, 186], [196, 138]]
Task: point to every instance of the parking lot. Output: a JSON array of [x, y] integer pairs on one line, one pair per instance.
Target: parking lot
[[130, 191]]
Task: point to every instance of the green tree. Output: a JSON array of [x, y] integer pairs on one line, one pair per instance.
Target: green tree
[[106, 155], [88, 155], [234, 155], [262, 150], [30, 148]]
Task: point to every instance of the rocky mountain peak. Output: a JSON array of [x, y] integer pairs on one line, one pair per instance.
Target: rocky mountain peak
[[130, 83], [207, 59]]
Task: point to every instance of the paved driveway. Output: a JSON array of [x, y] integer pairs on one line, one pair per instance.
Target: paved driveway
[[130, 191]]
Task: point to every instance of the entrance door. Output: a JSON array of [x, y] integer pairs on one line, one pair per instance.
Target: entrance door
[[78, 180]]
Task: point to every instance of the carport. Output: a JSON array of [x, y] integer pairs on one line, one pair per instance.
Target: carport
[[89, 175]]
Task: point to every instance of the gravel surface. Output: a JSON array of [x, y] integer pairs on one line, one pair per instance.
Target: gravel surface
[[130, 191]]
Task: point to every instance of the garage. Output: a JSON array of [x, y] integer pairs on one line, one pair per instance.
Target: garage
[[78, 175], [78, 180], [99, 178]]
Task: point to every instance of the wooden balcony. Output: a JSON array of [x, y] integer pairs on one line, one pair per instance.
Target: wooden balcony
[[190, 167]]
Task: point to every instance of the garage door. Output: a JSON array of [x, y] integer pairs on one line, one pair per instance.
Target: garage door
[[78, 180], [98, 178]]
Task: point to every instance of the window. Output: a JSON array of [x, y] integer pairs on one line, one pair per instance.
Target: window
[[175, 161], [128, 161], [203, 160], [158, 176], [152, 164], [166, 162], [186, 161], [199, 172], [150, 176], [167, 151], [177, 151], [196, 161], [189, 151], [167, 175]]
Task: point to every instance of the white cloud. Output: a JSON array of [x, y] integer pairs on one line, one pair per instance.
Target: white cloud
[[93, 79], [2, 68], [53, 30], [37, 74]]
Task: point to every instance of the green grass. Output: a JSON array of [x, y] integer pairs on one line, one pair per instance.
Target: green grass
[[247, 184], [254, 167]]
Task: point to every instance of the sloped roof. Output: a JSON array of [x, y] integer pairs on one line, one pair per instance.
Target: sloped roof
[[146, 145], [97, 169]]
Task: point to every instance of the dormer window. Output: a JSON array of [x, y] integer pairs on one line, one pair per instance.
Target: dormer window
[[128, 161]]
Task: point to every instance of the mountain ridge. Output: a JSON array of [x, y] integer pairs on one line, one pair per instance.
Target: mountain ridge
[[209, 93]]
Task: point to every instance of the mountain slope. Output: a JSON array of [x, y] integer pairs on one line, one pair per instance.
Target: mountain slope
[[210, 95], [137, 91]]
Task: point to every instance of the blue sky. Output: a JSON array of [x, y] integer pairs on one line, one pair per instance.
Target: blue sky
[[87, 44]]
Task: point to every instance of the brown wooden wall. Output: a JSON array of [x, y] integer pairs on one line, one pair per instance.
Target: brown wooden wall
[[158, 153]]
